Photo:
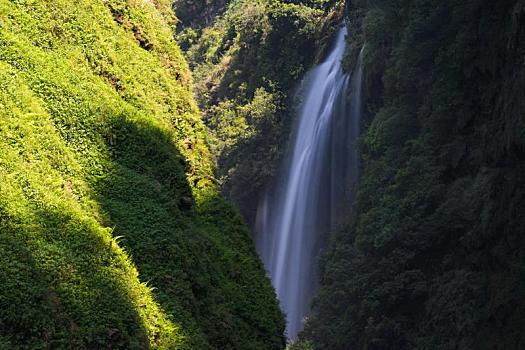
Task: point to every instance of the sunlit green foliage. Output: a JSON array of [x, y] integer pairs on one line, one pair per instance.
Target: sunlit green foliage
[[433, 255], [112, 232]]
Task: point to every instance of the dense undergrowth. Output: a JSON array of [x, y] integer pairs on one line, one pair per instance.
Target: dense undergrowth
[[246, 63], [434, 255], [112, 232]]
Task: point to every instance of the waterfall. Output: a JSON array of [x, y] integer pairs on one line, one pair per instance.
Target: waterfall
[[315, 186]]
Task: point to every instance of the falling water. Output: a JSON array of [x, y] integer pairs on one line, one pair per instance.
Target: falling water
[[316, 184]]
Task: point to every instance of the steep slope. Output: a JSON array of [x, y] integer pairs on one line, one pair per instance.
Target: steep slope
[[434, 255], [246, 65], [112, 232]]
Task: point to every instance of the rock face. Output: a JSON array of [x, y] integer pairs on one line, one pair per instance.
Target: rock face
[[185, 203], [198, 13]]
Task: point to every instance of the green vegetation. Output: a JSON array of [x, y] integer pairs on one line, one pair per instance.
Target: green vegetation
[[433, 255], [112, 231], [246, 65]]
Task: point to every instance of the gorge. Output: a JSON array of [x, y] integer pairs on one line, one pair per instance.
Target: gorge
[[262, 174]]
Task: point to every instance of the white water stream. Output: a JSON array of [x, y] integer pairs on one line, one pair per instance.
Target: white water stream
[[316, 184]]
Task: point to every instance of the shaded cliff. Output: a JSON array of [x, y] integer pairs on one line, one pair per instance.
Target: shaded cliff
[[433, 256]]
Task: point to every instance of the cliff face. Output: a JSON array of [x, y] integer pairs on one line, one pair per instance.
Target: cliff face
[[112, 231], [433, 256], [198, 14]]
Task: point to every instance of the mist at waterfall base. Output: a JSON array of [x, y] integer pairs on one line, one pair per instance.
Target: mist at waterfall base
[[315, 186]]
